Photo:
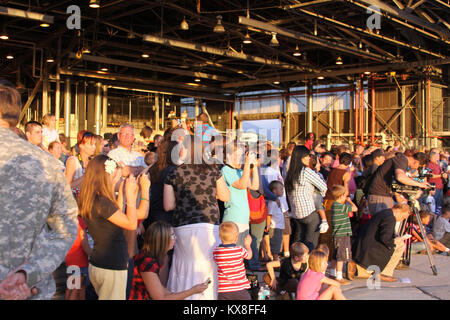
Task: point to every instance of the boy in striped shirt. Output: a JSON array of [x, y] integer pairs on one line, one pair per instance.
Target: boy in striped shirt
[[341, 229], [233, 282]]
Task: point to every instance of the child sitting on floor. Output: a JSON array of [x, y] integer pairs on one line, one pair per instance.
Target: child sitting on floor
[[291, 269], [314, 285]]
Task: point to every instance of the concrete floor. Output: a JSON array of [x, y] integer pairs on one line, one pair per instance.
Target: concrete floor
[[424, 285]]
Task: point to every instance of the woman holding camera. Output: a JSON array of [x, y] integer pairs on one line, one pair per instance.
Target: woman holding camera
[[238, 180]]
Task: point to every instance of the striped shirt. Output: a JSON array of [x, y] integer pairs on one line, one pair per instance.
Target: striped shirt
[[341, 226], [301, 198], [230, 268]]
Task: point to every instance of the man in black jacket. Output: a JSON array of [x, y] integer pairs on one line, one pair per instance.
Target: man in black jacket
[[379, 194], [378, 245]]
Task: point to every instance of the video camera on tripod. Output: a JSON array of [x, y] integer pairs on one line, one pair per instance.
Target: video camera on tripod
[[412, 194]]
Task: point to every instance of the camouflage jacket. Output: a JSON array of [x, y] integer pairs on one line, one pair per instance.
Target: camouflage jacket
[[38, 213]]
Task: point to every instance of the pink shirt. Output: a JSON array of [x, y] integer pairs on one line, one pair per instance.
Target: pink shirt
[[309, 285]]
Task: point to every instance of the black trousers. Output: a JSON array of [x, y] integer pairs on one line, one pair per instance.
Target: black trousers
[[306, 230]]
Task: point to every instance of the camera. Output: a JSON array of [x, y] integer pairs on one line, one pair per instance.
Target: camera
[[424, 173]]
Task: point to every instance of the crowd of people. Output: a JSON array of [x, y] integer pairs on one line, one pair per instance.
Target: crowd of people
[[187, 214]]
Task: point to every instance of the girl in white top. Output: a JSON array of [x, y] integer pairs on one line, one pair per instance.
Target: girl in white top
[[49, 132], [76, 165]]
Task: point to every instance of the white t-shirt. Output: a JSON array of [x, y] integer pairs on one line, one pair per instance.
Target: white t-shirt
[[441, 226], [129, 158], [48, 136], [431, 204], [276, 212]]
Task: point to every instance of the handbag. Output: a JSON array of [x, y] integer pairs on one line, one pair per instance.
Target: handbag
[[258, 208]]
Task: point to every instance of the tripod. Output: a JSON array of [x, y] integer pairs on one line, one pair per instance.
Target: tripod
[[406, 228]]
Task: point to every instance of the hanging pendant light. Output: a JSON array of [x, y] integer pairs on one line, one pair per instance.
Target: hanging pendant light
[[184, 25], [4, 34], [274, 41], [219, 27], [297, 53], [339, 61], [94, 4], [247, 39]]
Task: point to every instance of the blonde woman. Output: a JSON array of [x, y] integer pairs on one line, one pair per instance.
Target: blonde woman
[[49, 132], [106, 223], [158, 240]]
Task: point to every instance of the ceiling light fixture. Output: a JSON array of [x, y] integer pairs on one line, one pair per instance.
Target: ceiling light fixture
[[320, 77], [50, 59], [274, 41], [104, 69], [85, 49], [297, 53], [184, 25], [247, 39], [4, 34], [94, 4], [339, 61], [276, 82], [44, 25], [145, 55], [9, 57], [367, 73], [197, 80], [219, 27]]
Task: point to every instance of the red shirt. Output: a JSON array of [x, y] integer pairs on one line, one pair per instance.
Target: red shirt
[[76, 255], [142, 263], [436, 169], [230, 268]]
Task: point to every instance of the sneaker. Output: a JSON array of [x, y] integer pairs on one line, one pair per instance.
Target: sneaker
[[343, 282], [351, 270]]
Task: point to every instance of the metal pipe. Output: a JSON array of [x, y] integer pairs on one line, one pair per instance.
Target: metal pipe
[[428, 109], [373, 111], [104, 108], [67, 108], [357, 111], [361, 106], [157, 112], [310, 107], [163, 104], [98, 106]]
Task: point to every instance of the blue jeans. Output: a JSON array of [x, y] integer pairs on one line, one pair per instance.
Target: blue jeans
[[257, 232], [438, 195], [241, 238]]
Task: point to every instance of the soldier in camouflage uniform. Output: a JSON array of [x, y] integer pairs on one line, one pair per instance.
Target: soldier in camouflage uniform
[[38, 213]]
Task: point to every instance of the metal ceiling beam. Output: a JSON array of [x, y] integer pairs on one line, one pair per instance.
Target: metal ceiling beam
[[404, 15], [149, 67], [305, 4], [418, 3], [17, 13], [311, 39], [380, 36], [151, 84], [217, 51], [342, 72]]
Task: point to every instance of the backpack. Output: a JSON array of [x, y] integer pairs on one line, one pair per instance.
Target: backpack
[[258, 208]]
